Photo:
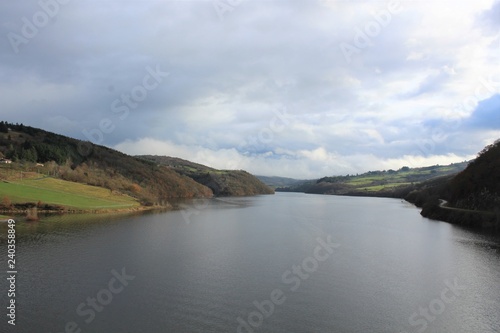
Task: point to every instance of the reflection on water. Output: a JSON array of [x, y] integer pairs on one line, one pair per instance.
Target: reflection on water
[[52, 225], [203, 267]]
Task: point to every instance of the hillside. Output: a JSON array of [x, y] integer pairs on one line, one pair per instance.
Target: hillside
[[221, 182], [82, 162], [387, 183], [478, 186], [470, 198], [275, 181], [59, 157], [51, 194]]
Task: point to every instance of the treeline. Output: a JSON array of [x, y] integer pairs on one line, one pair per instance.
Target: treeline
[[4, 127], [410, 174], [473, 195], [341, 179], [30, 144], [386, 183], [37, 152]]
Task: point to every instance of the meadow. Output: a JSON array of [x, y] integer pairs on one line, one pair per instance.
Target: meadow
[[33, 187]]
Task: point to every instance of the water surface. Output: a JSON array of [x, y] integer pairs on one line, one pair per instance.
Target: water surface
[[217, 265]]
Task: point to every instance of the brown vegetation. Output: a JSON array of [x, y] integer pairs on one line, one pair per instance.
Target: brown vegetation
[[221, 182], [152, 182], [6, 203]]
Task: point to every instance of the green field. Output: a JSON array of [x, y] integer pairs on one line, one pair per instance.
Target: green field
[[379, 181], [376, 188], [68, 194], [374, 183]]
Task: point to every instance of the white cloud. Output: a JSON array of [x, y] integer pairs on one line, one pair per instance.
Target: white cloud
[[301, 164]]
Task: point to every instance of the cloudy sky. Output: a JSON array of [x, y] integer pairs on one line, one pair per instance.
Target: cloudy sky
[[299, 88]]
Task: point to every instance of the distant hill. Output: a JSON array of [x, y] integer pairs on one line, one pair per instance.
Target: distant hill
[[83, 162], [221, 182], [275, 181], [387, 183], [470, 198]]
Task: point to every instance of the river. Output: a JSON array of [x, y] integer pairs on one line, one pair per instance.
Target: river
[[285, 263]]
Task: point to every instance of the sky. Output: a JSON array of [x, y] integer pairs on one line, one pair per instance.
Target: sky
[[299, 88]]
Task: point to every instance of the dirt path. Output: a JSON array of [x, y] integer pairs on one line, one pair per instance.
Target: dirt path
[[444, 203]]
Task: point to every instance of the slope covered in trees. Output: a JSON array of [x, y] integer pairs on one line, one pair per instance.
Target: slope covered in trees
[[221, 182], [478, 186], [86, 163], [470, 198], [151, 180]]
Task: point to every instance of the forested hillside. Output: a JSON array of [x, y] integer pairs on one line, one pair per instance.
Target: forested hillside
[[478, 186], [86, 163], [152, 180], [470, 198], [221, 182]]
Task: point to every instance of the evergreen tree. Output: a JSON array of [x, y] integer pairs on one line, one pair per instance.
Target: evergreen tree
[[3, 127]]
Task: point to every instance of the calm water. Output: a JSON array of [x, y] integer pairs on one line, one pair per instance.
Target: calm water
[[289, 263]]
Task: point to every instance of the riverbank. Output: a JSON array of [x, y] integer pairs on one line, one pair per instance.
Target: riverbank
[[438, 210], [33, 213]]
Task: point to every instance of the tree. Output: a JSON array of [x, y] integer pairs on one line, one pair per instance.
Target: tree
[[3, 127], [135, 188], [29, 155], [6, 202]]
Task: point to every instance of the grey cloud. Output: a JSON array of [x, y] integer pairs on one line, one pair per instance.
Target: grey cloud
[[226, 77]]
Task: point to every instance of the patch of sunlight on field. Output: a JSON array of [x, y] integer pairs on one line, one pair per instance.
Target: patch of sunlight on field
[[382, 187], [65, 193]]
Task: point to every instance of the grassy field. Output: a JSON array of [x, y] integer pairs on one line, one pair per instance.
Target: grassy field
[[376, 188], [377, 182], [33, 188], [374, 183]]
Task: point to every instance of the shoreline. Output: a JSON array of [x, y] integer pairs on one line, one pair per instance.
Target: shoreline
[[478, 220], [29, 212], [485, 220], [24, 214]]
